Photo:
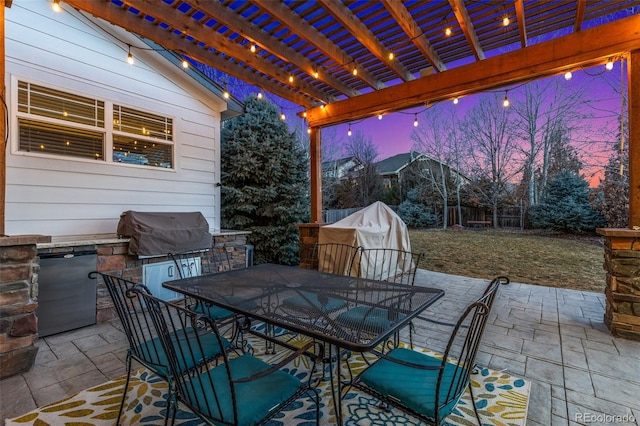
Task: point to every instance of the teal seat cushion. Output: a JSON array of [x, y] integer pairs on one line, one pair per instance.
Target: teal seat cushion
[[368, 318], [255, 398], [414, 387], [151, 352], [216, 312], [313, 302]]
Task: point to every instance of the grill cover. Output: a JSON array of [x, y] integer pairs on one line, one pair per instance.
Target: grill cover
[[154, 234]]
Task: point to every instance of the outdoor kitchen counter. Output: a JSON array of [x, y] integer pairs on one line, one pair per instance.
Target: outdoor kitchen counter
[[102, 239]]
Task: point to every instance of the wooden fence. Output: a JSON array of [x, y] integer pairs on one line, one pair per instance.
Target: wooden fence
[[508, 217]]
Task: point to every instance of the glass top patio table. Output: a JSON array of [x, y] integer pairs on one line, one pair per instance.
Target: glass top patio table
[[309, 302]]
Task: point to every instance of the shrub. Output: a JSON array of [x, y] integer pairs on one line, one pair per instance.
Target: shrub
[[566, 206]]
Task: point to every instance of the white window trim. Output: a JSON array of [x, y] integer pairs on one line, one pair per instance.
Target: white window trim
[[107, 130]]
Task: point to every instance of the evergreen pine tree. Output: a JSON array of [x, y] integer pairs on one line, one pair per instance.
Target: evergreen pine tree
[[565, 206], [264, 182]]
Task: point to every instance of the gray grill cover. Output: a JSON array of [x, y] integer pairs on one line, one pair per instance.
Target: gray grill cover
[[154, 234]]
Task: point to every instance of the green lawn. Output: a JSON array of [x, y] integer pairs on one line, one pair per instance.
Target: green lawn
[[550, 260]]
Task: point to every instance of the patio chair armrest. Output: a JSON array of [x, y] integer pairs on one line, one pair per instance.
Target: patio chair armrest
[[275, 367]]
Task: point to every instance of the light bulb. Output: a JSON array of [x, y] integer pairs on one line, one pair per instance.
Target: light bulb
[[290, 79], [55, 5], [505, 102], [253, 48], [309, 130], [447, 31], [506, 21], [316, 74], [304, 114], [259, 95], [455, 100], [391, 56], [568, 75], [355, 71], [282, 116], [225, 94], [349, 131], [379, 116], [185, 64], [609, 65], [130, 59], [415, 120]]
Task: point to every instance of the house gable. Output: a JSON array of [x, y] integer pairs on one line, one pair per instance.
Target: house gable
[[59, 195]]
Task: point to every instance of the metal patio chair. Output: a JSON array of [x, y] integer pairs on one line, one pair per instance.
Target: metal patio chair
[[381, 264], [242, 390], [144, 344], [333, 258], [429, 387], [193, 263]]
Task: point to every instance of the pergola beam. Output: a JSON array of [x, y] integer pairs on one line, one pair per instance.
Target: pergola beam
[[286, 16], [415, 33], [360, 31], [633, 75], [522, 26], [163, 37], [586, 48], [225, 15], [467, 28]]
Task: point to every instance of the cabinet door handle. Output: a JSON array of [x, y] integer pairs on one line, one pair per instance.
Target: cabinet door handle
[[171, 271]]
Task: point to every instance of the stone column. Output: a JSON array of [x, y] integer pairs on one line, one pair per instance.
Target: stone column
[[308, 239], [18, 303], [622, 263]]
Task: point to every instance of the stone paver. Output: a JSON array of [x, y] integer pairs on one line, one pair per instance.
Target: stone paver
[[555, 338]]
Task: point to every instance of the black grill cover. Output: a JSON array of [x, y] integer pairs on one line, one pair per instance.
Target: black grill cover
[[154, 234]]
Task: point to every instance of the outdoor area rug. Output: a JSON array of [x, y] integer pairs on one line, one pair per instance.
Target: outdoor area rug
[[501, 399]]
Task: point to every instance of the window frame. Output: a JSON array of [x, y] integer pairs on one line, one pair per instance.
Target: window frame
[[107, 131]]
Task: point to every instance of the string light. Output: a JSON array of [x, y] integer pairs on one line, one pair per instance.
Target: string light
[[291, 78], [505, 102], [391, 56], [349, 131], [355, 71], [185, 64], [55, 5], [506, 21], [282, 116], [609, 65], [455, 100], [380, 116], [304, 114], [129, 56], [415, 120], [316, 74], [309, 130], [447, 31], [253, 48], [259, 95], [568, 75]]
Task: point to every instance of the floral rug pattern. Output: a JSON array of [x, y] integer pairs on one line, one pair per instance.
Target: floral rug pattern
[[501, 400]]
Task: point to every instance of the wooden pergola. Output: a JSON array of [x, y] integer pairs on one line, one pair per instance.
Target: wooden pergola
[[347, 60]]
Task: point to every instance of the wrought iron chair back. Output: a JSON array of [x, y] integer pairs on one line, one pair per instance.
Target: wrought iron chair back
[[193, 263], [385, 264], [239, 390], [334, 258], [432, 386], [144, 344]]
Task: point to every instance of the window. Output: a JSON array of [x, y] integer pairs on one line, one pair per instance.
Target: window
[[53, 122], [138, 137]]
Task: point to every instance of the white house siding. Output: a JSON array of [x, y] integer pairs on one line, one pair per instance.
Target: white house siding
[[59, 197]]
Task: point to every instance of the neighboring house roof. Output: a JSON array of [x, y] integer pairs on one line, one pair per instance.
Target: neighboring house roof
[[396, 163], [330, 164], [234, 106]]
